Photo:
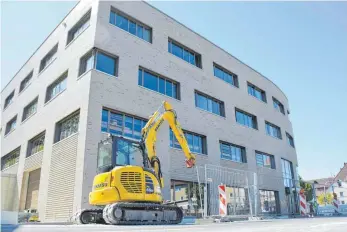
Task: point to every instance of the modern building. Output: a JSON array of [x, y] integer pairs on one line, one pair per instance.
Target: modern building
[[105, 69]]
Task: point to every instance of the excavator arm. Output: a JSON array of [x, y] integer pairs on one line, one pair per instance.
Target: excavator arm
[[149, 136]]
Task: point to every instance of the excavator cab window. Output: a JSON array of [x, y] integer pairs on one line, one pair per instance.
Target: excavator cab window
[[104, 160]]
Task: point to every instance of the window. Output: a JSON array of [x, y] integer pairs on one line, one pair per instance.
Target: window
[[256, 92], [36, 144], [287, 171], [131, 25], [341, 194], [342, 202], [184, 53], [237, 200], [10, 159], [25, 82], [246, 119], [121, 124], [11, 125], [9, 99], [265, 160], [290, 140], [196, 142], [273, 130], [278, 105], [210, 104], [67, 126], [232, 152], [56, 87], [225, 75], [51, 55], [158, 83], [99, 60], [30, 109], [269, 202], [80, 26]]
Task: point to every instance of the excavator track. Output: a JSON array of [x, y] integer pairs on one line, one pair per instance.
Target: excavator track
[[127, 213], [88, 216]]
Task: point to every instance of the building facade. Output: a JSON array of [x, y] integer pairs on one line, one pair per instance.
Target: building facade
[[108, 66]]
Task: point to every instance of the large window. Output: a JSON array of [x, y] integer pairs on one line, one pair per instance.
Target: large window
[[80, 26], [10, 159], [131, 25], [184, 53], [56, 87], [256, 92], [158, 83], [246, 119], [25, 82], [273, 130], [30, 109], [11, 125], [9, 99], [36, 144], [51, 55], [237, 200], [269, 202], [210, 104], [196, 142], [232, 152], [99, 60], [225, 75], [121, 124], [278, 105], [290, 139], [288, 174], [67, 126], [265, 160]]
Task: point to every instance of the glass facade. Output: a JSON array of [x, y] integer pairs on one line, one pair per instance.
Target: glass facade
[[232, 152], [30, 109], [269, 203], [158, 83], [273, 130], [265, 160], [57, 87], [256, 92], [210, 104], [132, 26], [246, 119], [196, 142], [278, 105], [287, 171], [184, 53], [225, 75], [10, 159]]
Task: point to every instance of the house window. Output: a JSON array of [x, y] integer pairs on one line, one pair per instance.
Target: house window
[[287, 172], [290, 140], [10, 159], [56, 87], [225, 75], [246, 119], [256, 92], [80, 26], [51, 55], [278, 105], [158, 83], [131, 25], [26, 81], [269, 202], [9, 99], [210, 104], [121, 124], [196, 142], [67, 126], [184, 53], [99, 60], [11, 125], [30, 109], [265, 160], [232, 152], [36, 144], [273, 130]]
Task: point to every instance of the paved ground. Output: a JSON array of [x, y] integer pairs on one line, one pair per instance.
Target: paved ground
[[279, 225]]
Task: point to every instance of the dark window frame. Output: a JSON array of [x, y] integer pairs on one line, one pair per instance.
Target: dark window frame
[[159, 76], [15, 153], [272, 159], [8, 129], [197, 56], [267, 123], [9, 99], [60, 79], [290, 140], [71, 34], [33, 102], [281, 106], [26, 81], [32, 141], [58, 126], [262, 92], [203, 141], [43, 63], [234, 76], [254, 118], [243, 151], [221, 103]]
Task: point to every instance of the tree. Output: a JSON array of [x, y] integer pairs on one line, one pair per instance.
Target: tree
[[325, 198], [307, 188]]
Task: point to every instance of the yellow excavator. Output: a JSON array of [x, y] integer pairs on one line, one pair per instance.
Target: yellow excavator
[[128, 194]]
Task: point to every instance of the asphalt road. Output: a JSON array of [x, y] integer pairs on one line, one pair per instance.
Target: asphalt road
[[279, 225]]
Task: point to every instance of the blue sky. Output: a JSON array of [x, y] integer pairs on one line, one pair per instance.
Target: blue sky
[[301, 46]]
